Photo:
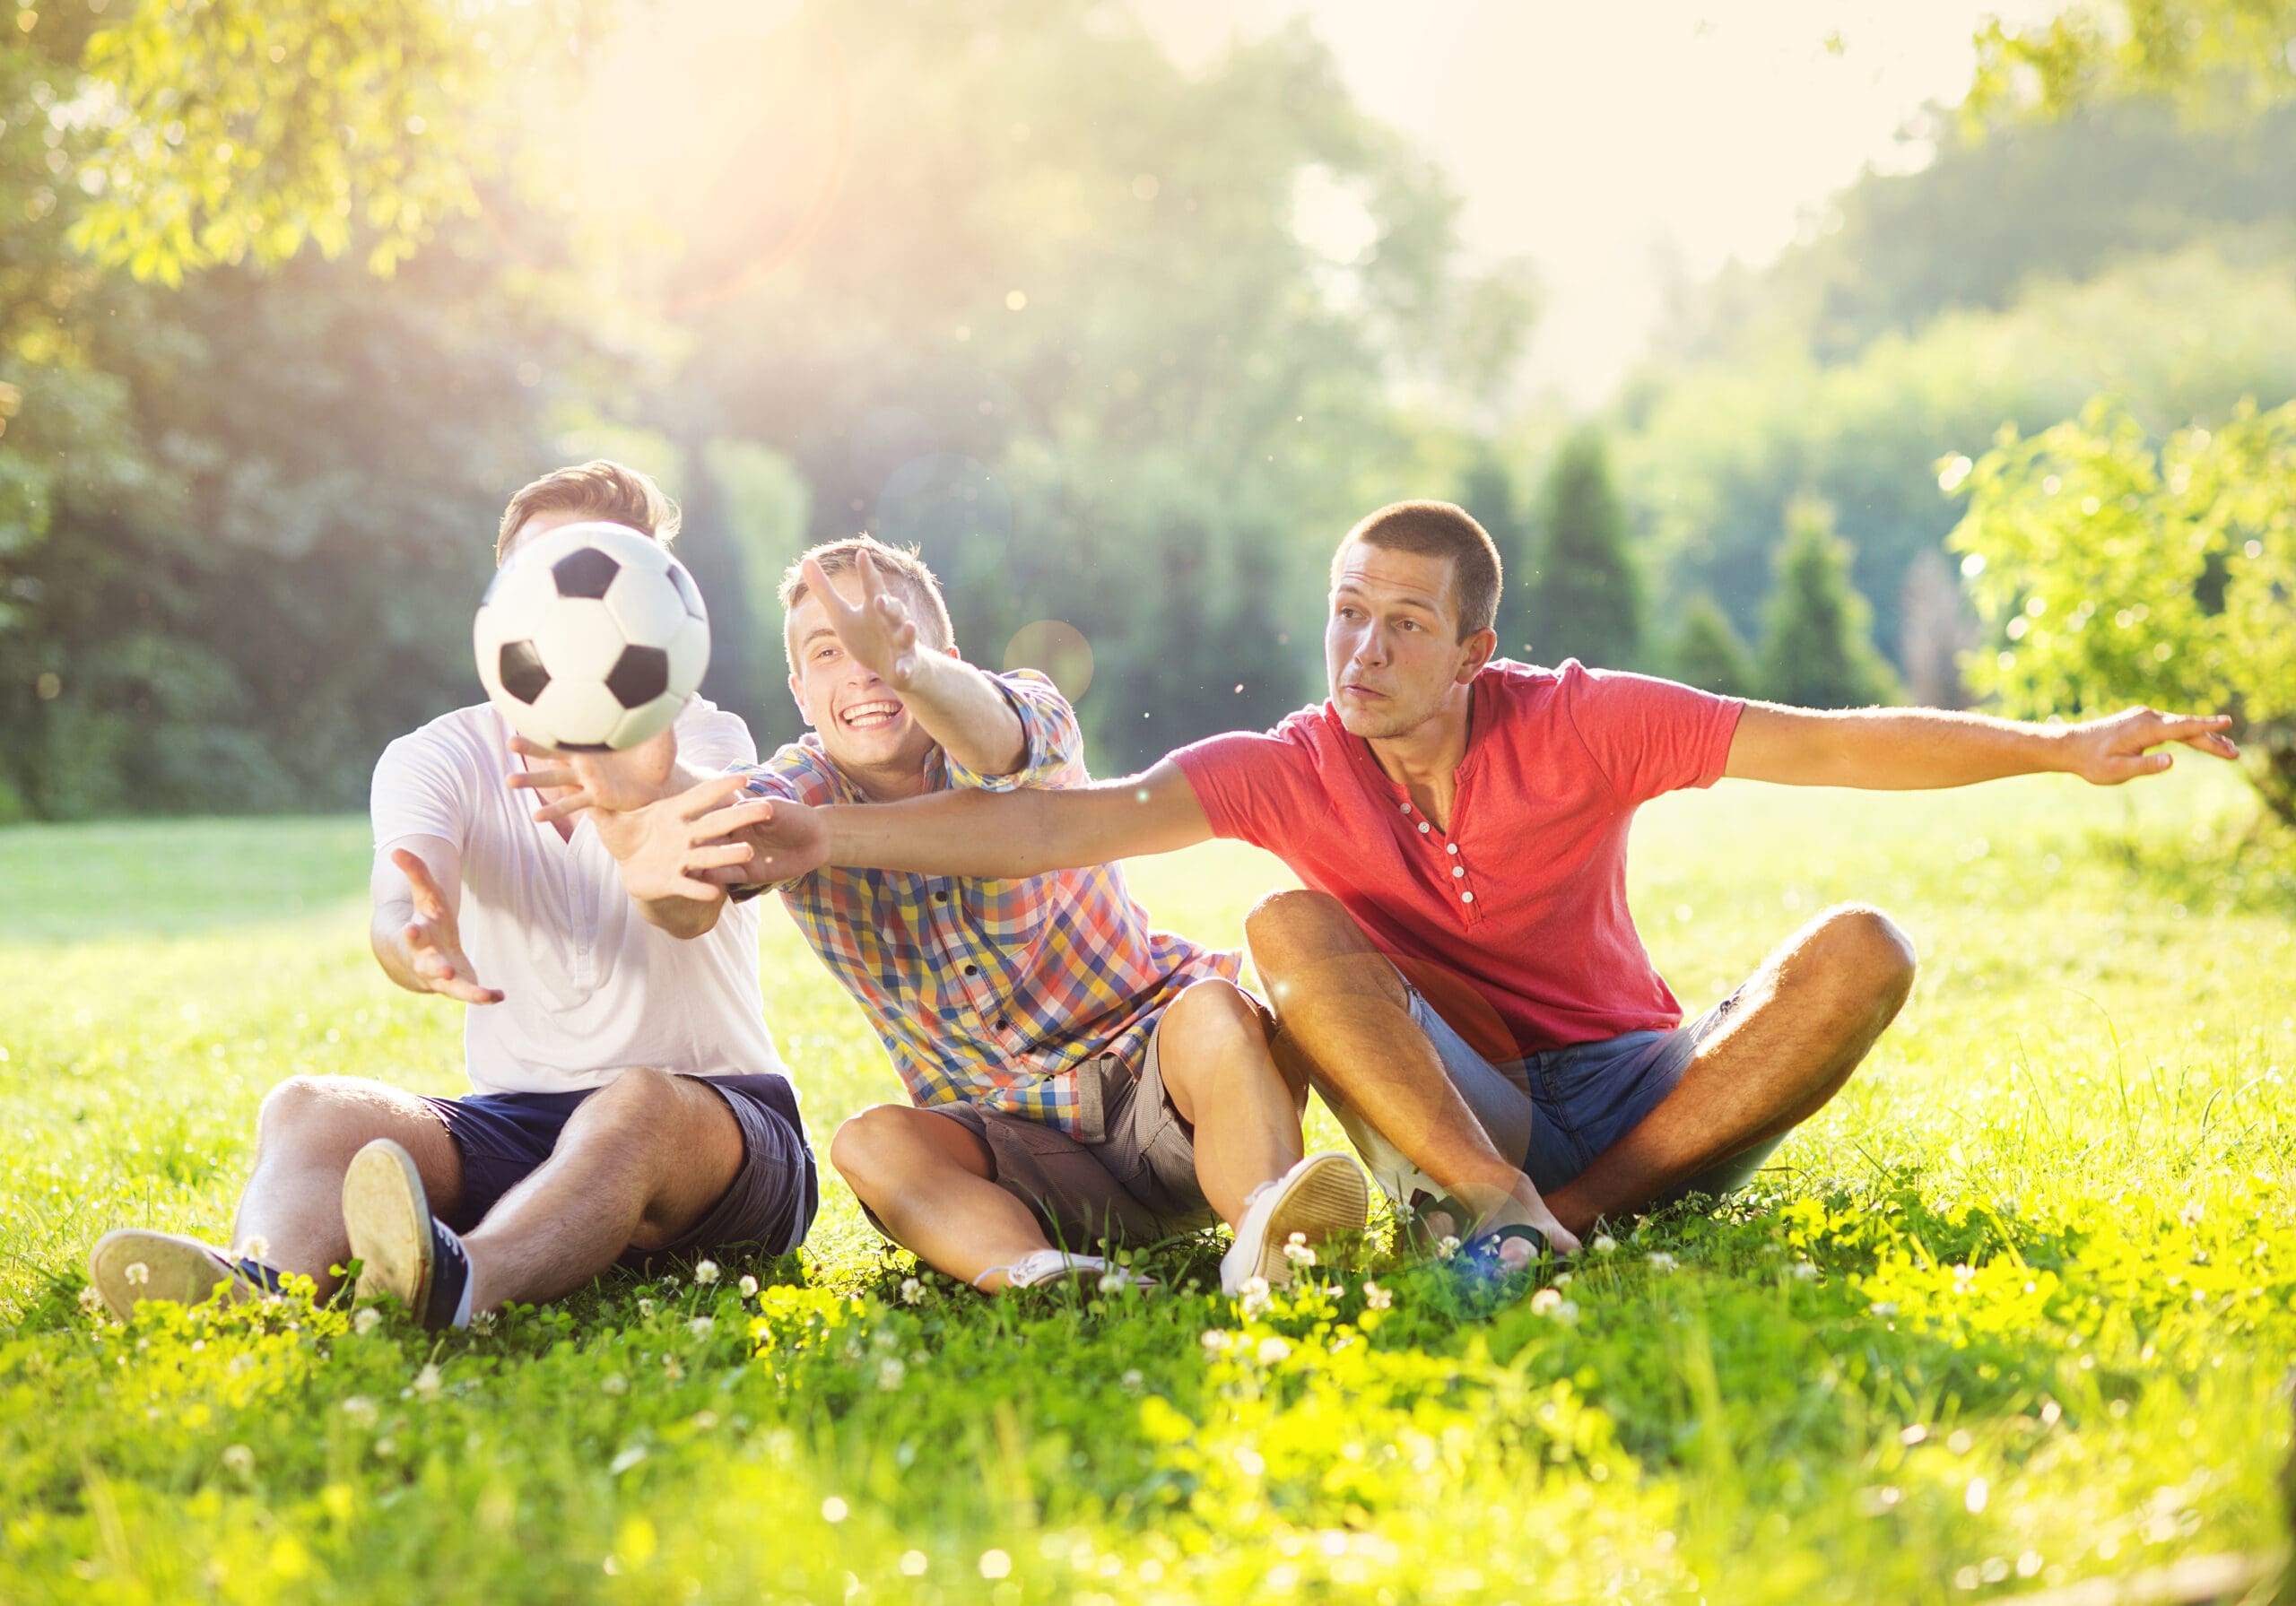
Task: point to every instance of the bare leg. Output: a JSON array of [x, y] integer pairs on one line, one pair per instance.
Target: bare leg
[[928, 1178], [1213, 1048], [640, 1162], [1345, 1016], [308, 1129], [1802, 1025]]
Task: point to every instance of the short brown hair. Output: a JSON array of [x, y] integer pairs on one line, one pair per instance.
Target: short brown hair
[[908, 571], [611, 492], [1438, 530]]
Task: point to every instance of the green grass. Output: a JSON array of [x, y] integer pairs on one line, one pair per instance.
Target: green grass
[[2015, 1311]]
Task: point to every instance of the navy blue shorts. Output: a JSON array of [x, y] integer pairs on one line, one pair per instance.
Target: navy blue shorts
[[505, 1137]]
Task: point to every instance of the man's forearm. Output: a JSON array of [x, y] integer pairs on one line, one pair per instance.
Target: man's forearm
[[387, 936], [961, 708], [1917, 748]]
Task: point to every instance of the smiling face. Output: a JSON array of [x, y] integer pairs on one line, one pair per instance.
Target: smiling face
[[863, 724], [1391, 652]]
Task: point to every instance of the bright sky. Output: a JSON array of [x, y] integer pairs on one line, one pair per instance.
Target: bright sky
[[1606, 140]]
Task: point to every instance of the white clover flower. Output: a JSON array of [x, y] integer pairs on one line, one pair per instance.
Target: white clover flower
[[484, 1322], [361, 1410], [645, 1307], [1565, 1313], [912, 1290], [833, 1509], [1806, 1271], [239, 1459], [1662, 1260], [1272, 1349], [255, 1248], [138, 1274], [1884, 1307], [1545, 1302], [996, 1564], [1297, 1252], [891, 1373], [427, 1380], [1215, 1340], [92, 1303], [1603, 1244], [705, 1272], [701, 1327], [1113, 1281], [1376, 1296], [671, 1370], [748, 1285], [1131, 1381], [613, 1383], [1563, 1280], [1447, 1249], [366, 1319]]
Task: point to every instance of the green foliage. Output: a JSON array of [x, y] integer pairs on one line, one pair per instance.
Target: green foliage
[[1817, 648], [1587, 601], [1487, 491], [1709, 652], [2210, 54], [2114, 572], [2014, 1307]]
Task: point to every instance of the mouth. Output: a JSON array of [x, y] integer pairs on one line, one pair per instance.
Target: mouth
[[1354, 690], [870, 716]]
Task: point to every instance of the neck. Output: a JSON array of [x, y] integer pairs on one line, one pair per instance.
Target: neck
[[1425, 757], [901, 776]]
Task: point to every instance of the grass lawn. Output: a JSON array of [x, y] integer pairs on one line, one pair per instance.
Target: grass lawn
[[2016, 1311]]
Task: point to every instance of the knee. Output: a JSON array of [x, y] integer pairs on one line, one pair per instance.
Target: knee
[[1213, 1025], [1287, 930], [1859, 941], [304, 1111], [640, 1100], [868, 1147]]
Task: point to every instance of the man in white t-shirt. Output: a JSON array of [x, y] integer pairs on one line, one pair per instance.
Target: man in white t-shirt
[[629, 1099]]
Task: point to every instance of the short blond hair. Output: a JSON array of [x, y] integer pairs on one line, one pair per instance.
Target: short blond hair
[[908, 571], [1437, 530], [611, 492]]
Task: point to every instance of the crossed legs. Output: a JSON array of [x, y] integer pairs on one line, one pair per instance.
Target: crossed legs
[[930, 1180], [1805, 1019]]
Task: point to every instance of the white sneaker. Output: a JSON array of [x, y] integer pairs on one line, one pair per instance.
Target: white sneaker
[[135, 1264], [1049, 1265], [1322, 1196]]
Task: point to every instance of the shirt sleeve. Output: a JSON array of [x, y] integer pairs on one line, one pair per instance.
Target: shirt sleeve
[[1649, 736], [1248, 784], [419, 790], [798, 772], [1054, 745], [711, 738]]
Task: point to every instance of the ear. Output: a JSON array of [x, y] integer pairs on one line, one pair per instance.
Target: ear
[[799, 698], [1475, 652]]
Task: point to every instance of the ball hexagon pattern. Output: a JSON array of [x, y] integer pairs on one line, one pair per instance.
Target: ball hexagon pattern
[[592, 636]]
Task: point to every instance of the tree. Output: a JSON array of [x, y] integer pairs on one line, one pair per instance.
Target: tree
[[1487, 491], [2225, 52], [1818, 650], [2113, 571], [1709, 652], [1588, 600]]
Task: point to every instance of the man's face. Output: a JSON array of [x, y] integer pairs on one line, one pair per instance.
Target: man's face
[[1392, 650], [862, 722], [543, 524]]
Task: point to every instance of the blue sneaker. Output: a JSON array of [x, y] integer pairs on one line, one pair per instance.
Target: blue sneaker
[[403, 1249]]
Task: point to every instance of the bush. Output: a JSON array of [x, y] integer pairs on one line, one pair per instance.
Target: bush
[[1818, 650]]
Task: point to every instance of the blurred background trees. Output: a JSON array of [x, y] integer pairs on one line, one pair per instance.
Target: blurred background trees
[[1123, 346]]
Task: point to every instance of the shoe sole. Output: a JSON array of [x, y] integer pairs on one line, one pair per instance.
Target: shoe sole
[[1320, 1201], [387, 1215], [177, 1270]]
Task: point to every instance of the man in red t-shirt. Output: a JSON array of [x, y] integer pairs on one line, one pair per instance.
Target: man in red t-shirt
[[1461, 973]]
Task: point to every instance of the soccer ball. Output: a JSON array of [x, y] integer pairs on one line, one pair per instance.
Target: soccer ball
[[592, 636]]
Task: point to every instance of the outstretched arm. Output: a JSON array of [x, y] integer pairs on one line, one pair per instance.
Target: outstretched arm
[[960, 707], [415, 934], [999, 835], [1910, 750]]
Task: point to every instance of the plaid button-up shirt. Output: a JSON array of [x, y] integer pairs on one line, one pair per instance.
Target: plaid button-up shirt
[[990, 992]]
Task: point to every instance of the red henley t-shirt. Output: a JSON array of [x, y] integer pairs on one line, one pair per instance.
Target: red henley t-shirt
[[1515, 923]]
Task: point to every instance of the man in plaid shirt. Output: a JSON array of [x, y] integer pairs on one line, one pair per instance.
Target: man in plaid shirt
[[1077, 1079]]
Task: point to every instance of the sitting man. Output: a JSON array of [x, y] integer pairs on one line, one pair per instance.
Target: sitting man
[[1461, 973], [628, 1096], [1077, 1079]]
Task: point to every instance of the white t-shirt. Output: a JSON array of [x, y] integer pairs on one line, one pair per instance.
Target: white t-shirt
[[590, 989]]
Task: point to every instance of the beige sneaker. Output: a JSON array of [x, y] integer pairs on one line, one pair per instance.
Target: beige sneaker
[[136, 1263], [1321, 1197]]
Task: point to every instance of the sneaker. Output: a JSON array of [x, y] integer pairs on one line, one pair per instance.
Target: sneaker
[[1322, 1196], [401, 1248], [1051, 1265], [133, 1264]]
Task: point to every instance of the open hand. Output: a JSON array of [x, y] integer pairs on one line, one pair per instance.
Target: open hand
[[685, 846], [2106, 752], [790, 839], [879, 632], [614, 782], [434, 943]]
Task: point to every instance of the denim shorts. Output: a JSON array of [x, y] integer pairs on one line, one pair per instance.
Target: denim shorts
[[504, 1138], [1584, 1098]]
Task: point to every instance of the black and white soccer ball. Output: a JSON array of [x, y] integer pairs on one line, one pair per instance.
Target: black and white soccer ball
[[592, 636]]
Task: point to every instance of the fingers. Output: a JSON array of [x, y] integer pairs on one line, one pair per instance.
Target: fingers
[[565, 808], [736, 875], [469, 992], [711, 795], [536, 779], [428, 901], [723, 857], [741, 817], [2214, 744], [817, 582]]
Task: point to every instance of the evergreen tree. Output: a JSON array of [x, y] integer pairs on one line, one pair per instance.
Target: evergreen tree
[[1709, 652], [1586, 600], [1818, 649], [1487, 491]]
